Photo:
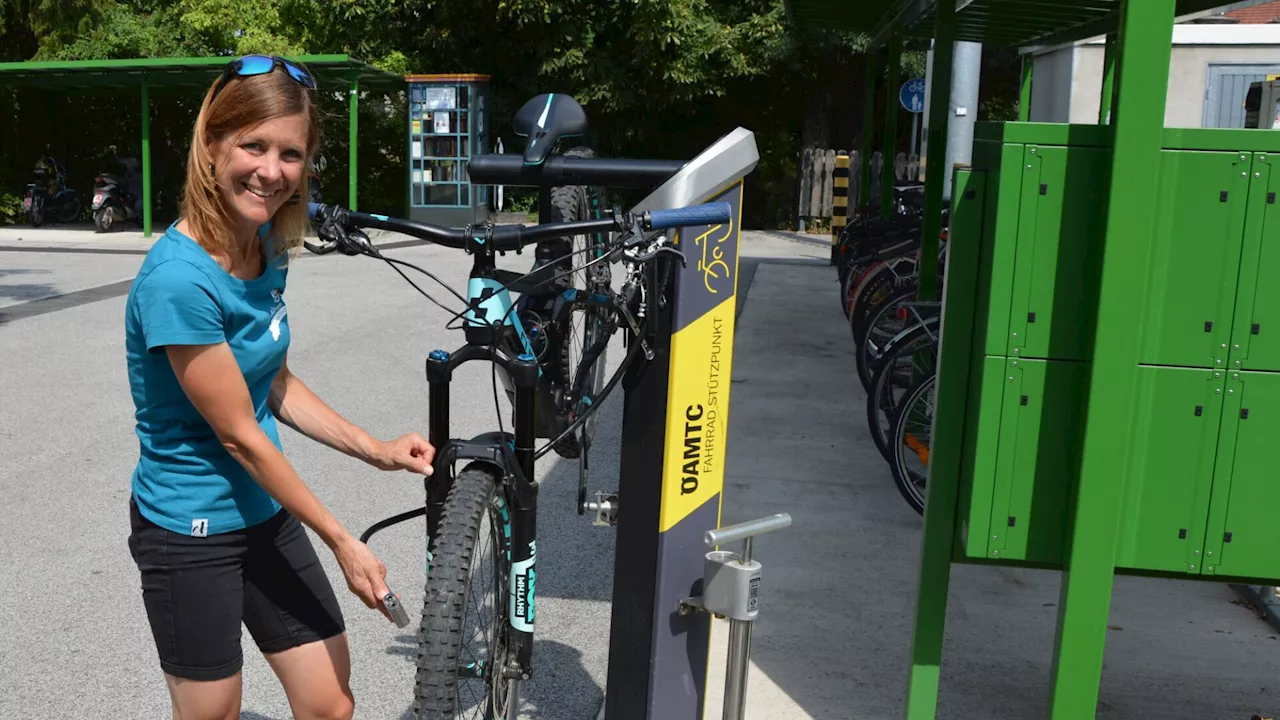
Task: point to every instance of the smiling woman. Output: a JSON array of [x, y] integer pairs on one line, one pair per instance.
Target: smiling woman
[[216, 510]]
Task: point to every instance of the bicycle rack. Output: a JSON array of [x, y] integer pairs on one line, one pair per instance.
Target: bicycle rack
[[731, 588]]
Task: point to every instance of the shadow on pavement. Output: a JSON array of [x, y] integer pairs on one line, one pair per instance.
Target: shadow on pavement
[[25, 291], [561, 690]]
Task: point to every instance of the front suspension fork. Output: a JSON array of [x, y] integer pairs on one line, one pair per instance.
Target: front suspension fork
[[518, 487]]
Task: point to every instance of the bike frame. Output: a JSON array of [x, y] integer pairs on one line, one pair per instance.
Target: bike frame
[[495, 333]]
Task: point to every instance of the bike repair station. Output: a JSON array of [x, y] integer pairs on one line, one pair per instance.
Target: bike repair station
[[1106, 380]]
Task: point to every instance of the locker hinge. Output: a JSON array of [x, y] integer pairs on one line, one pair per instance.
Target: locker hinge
[[1256, 328], [1012, 520], [1182, 533], [1031, 317], [1226, 538], [1271, 198], [1044, 189], [1024, 399], [1208, 326], [1222, 196], [1244, 413], [1199, 410]]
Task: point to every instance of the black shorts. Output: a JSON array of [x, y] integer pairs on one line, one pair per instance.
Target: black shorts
[[197, 591]]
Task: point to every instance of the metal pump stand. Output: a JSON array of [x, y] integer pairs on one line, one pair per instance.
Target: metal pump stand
[[731, 588]]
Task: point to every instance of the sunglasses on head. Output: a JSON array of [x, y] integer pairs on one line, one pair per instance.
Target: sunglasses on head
[[261, 65]]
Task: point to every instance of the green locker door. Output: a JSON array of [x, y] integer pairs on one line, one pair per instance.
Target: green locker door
[[1060, 236], [1041, 428], [1256, 331], [1167, 487], [1243, 532], [1196, 256]]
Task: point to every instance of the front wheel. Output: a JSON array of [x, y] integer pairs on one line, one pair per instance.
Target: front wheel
[[462, 640], [69, 209], [912, 442]]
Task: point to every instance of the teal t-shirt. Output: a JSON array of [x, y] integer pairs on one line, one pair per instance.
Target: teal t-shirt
[[185, 480]]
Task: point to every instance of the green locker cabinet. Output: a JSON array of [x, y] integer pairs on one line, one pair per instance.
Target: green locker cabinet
[[1060, 234], [1256, 332], [1025, 458], [978, 470], [1195, 258], [1170, 475], [1243, 532]]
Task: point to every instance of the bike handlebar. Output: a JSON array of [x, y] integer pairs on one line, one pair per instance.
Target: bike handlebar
[[504, 238], [561, 170]]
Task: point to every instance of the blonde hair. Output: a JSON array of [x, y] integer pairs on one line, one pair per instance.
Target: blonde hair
[[243, 103]]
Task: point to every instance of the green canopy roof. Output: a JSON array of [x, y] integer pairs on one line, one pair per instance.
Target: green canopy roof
[[179, 72], [1009, 23]]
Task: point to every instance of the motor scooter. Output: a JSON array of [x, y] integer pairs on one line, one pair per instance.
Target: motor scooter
[[117, 196]]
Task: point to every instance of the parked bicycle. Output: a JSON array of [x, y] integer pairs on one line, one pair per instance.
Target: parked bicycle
[[895, 335], [475, 639]]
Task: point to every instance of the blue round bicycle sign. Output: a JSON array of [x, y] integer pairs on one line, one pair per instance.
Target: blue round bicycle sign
[[912, 95]]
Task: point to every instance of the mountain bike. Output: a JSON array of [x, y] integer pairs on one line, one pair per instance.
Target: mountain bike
[[479, 607]]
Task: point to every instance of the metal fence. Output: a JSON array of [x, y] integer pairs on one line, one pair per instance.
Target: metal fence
[[817, 167]]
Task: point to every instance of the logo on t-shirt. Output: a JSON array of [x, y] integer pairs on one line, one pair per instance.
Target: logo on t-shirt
[[278, 313], [200, 527]]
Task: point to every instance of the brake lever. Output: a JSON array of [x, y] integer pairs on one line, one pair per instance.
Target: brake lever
[[660, 249], [321, 249]]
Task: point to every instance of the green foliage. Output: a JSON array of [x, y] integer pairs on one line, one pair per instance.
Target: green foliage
[[11, 209]]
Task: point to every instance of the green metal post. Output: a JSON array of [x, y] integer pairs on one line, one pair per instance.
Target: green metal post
[[940, 505], [351, 145], [1108, 79], [868, 128], [1145, 38], [936, 154], [1024, 94], [888, 174], [146, 158]]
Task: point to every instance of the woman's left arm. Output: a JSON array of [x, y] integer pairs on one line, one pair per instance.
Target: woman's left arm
[[294, 404]]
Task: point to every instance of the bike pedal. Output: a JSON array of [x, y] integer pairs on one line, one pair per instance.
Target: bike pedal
[[605, 507]]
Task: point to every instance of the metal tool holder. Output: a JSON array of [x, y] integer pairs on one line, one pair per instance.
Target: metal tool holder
[[731, 588]]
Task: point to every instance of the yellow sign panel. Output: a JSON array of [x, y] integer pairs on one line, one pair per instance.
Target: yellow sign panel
[[701, 366]]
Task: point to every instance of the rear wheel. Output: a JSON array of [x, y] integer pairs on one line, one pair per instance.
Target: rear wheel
[[103, 218], [462, 646], [35, 215], [585, 326]]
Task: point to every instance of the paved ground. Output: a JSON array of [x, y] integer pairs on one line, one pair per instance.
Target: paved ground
[[832, 639]]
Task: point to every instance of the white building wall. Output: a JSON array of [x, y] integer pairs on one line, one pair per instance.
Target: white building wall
[[1067, 82]]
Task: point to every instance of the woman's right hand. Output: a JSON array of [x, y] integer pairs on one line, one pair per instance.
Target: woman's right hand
[[365, 573]]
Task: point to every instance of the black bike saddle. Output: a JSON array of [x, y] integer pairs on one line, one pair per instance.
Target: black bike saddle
[[545, 120]]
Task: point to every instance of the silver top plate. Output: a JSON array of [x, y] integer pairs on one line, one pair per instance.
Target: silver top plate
[[726, 161]]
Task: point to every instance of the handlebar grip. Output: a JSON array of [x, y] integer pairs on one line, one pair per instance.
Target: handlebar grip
[[706, 214], [312, 209]]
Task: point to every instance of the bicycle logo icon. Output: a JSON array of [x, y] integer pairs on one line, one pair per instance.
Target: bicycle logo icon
[[716, 254]]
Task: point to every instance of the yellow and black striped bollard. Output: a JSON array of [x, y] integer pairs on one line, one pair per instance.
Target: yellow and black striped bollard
[[839, 200]]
